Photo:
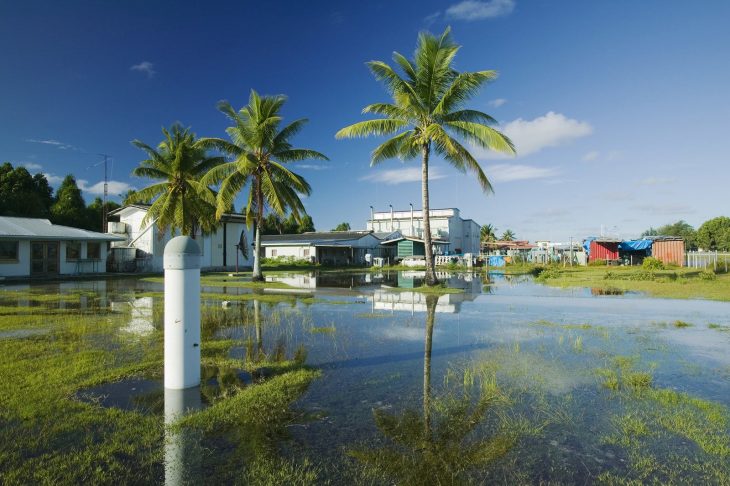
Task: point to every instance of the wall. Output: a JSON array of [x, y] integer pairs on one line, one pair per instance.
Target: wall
[[70, 267], [603, 251], [671, 251], [290, 251]]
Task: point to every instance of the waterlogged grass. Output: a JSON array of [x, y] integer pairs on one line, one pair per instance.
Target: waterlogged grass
[[679, 283], [219, 280], [52, 437]]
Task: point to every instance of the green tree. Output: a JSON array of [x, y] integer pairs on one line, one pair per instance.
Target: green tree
[[305, 225], [426, 114], [681, 228], [261, 149], [714, 234], [179, 200], [94, 213], [22, 194], [508, 235], [69, 208], [342, 227], [488, 233]]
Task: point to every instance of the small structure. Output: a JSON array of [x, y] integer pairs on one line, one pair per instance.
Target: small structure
[[602, 248], [668, 249], [327, 248], [633, 252], [142, 245], [34, 247], [410, 246]]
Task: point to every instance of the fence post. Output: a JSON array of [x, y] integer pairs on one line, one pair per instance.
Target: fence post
[[182, 313]]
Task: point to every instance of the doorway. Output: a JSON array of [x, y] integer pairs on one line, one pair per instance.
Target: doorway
[[44, 258]]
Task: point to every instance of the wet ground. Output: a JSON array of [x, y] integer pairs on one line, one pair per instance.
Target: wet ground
[[508, 381]]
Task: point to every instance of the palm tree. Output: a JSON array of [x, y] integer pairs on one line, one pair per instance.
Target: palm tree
[[179, 200], [508, 235], [488, 233], [260, 148], [426, 113]]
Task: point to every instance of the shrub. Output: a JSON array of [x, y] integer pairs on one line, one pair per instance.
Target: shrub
[[651, 263], [707, 275], [597, 262]]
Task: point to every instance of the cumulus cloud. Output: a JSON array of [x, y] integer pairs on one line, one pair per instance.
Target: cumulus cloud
[[531, 136], [479, 10], [31, 166], [115, 187], [497, 102], [401, 176], [53, 180], [145, 67], [517, 172]]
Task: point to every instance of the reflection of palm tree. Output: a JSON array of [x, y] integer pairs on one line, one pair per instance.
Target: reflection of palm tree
[[425, 450]]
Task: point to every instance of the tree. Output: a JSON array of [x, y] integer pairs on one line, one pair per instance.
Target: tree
[[180, 201], [426, 113], [260, 149], [681, 228], [508, 235], [22, 194], [94, 213], [69, 208], [342, 227], [306, 224], [488, 233], [714, 234]]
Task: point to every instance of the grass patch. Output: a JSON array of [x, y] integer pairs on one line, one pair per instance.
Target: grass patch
[[323, 330], [681, 324]]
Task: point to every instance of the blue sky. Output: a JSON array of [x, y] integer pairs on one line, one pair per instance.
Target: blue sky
[[619, 109]]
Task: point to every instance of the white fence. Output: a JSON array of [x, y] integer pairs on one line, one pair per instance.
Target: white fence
[[706, 259]]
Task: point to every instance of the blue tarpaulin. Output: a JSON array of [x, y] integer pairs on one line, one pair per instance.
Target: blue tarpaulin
[[587, 244], [496, 261], [635, 245]]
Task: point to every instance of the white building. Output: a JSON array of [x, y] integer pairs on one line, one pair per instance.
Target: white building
[[328, 248], [142, 246], [33, 247], [446, 224]]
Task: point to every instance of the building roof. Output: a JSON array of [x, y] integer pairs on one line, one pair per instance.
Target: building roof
[[434, 241], [509, 245], [314, 238], [226, 218], [42, 229]]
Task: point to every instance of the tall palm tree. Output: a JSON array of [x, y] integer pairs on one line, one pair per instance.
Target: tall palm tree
[[426, 113], [508, 235], [260, 149], [179, 200], [488, 233]]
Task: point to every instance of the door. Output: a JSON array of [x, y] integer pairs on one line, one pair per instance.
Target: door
[[44, 257]]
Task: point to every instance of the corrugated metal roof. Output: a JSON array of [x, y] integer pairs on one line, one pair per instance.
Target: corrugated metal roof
[[42, 229], [225, 218], [315, 237]]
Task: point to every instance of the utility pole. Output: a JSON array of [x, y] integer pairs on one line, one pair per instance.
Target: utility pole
[[106, 193]]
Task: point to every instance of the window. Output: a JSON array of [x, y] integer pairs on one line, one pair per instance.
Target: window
[[93, 250], [73, 250], [305, 252], [273, 252], [8, 251]]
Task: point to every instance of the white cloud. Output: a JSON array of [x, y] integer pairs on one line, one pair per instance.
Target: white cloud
[[516, 172], [401, 176], [531, 136], [144, 67], [31, 166], [53, 180], [657, 181], [497, 102], [115, 187], [664, 209], [428, 20], [54, 143], [479, 10], [592, 155], [312, 166]]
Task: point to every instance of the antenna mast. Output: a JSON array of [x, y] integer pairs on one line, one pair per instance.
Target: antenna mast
[[106, 193]]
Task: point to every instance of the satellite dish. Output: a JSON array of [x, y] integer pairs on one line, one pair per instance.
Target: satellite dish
[[243, 244]]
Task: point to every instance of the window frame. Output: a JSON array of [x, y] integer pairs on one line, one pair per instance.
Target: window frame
[[98, 250], [17, 253], [70, 242]]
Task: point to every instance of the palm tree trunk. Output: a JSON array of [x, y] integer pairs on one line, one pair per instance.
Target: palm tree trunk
[[431, 301], [430, 271], [258, 276]]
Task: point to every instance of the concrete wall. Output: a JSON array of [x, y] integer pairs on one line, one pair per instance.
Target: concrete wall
[[65, 267], [295, 251]]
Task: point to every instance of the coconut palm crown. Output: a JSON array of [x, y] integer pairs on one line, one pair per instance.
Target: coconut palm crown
[[179, 200], [260, 149], [427, 116]]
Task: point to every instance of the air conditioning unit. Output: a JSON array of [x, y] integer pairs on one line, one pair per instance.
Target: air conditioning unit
[[117, 228]]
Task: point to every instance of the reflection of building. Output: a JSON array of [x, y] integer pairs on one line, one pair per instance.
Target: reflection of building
[[446, 224], [140, 315], [33, 247], [400, 300], [145, 244]]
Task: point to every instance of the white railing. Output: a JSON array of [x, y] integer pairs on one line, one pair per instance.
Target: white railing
[[707, 259]]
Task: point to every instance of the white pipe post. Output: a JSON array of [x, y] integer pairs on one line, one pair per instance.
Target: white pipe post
[[182, 313]]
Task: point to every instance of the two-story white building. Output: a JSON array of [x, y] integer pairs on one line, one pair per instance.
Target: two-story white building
[[446, 224]]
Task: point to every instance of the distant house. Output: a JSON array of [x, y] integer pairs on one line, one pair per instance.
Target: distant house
[[447, 225], [327, 248], [33, 247], [602, 248], [402, 247], [142, 246]]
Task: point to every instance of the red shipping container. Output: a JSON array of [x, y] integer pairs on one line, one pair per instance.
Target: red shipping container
[[669, 251], [603, 250]]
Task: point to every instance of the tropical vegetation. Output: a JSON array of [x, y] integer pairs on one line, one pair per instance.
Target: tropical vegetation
[[508, 235], [180, 201], [260, 149], [427, 116]]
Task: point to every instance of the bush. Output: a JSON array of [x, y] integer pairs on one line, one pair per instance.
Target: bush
[[286, 260], [651, 263], [597, 262], [707, 275], [544, 273]]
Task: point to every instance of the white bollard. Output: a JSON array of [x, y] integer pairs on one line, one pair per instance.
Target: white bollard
[[182, 313]]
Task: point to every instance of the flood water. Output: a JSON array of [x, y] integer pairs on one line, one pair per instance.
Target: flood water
[[509, 381]]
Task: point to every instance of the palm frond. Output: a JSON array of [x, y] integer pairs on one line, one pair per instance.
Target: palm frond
[[483, 136], [383, 126]]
